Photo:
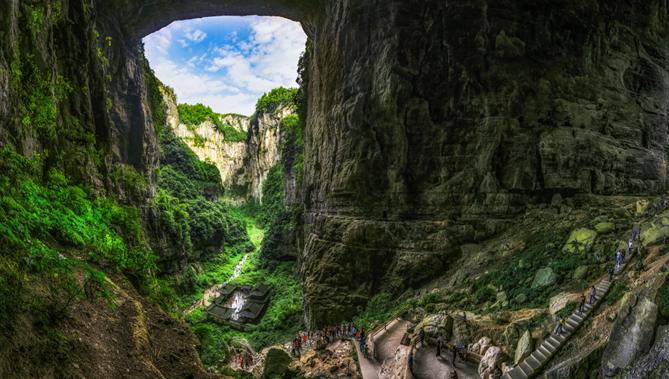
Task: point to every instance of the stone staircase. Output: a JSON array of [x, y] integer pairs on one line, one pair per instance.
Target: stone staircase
[[532, 365]]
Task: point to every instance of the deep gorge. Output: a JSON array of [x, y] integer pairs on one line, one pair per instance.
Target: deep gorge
[[450, 151]]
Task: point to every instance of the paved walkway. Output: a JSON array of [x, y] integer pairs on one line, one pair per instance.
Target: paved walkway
[[532, 365], [388, 342], [428, 366], [368, 368], [386, 345]]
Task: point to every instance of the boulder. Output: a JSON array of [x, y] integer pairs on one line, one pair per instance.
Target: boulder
[[654, 233], [544, 277], [580, 240], [276, 365], [604, 227], [524, 347], [580, 272], [631, 335], [560, 301], [436, 324], [656, 362], [481, 346], [491, 359]]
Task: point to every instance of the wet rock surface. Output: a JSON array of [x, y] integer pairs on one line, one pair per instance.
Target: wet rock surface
[[631, 336]]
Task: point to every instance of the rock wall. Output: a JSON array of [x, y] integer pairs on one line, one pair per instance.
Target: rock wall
[[429, 123], [263, 150], [209, 144], [243, 165], [72, 90], [432, 123]]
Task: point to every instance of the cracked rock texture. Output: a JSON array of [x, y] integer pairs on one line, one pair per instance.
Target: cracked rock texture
[[432, 123], [429, 123]]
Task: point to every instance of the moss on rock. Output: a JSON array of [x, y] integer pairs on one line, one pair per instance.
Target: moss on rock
[[580, 240]]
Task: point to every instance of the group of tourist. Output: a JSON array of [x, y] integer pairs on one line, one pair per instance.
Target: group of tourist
[[318, 339], [619, 261], [244, 360]]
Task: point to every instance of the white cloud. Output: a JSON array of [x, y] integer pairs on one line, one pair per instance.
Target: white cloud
[[196, 35], [229, 78], [159, 41]]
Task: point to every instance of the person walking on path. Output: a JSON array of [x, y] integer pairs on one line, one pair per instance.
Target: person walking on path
[[440, 342], [421, 334], [411, 361], [581, 305], [558, 326], [619, 258], [611, 272], [593, 295], [455, 354]]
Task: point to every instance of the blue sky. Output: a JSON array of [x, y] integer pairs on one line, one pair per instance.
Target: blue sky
[[226, 62]]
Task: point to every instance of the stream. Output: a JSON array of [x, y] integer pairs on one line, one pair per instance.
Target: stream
[[211, 293]]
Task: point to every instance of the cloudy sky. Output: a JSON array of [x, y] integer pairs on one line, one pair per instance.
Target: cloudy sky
[[226, 62]]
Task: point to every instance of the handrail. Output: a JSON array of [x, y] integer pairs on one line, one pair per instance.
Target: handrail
[[371, 343]]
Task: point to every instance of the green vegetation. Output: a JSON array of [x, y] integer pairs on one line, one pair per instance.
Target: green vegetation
[[383, 307], [56, 239], [182, 173], [194, 115], [515, 274], [154, 86], [616, 293], [275, 98]]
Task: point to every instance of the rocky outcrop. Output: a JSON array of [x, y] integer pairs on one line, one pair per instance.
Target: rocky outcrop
[[656, 362], [243, 165], [631, 336], [263, 150], [454, 115], [429, 123]]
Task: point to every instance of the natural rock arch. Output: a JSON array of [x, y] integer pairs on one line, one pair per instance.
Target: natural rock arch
[[430, 124], [142, 18]]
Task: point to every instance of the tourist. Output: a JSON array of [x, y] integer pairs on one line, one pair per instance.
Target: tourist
[[619, 258], [421, 335], [593, 294], [558, 326], [411, 361], [581, 305], [455, 354], [440, 341], [612, 271], [353, 331]]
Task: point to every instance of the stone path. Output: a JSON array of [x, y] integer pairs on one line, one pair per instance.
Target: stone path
[[386, 344], [532, 365], [368, 368], [428, 366]]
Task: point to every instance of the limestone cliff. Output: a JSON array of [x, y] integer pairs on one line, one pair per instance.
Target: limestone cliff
[[448, 118], [243, 164], [210, 145]]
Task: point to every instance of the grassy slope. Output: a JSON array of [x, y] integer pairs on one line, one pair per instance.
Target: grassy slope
[[282, 319]]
